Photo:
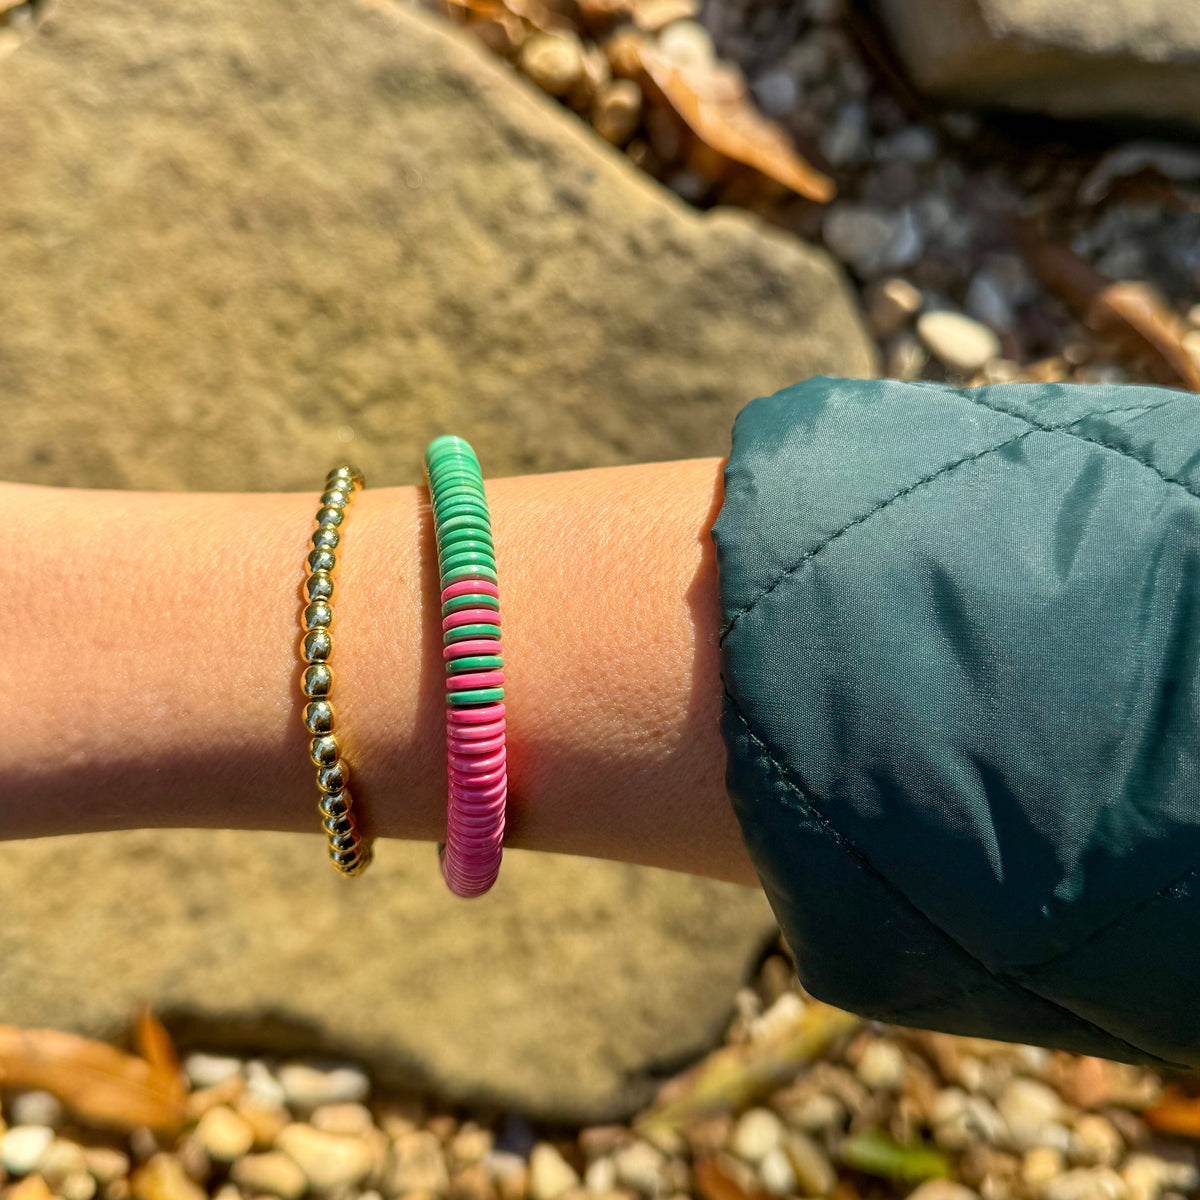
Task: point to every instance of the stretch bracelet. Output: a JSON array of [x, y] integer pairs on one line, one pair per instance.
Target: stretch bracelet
[[476, 757], [348, 849]]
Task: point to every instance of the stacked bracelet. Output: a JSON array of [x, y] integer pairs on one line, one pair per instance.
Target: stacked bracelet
[[475, 744], [348, 850]]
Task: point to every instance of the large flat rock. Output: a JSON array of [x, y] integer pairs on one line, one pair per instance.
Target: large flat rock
[[231, 233], [1066, 58], [240, 241]]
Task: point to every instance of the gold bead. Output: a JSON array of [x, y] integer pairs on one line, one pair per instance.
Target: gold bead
[[319, 586], [338, 826], [350, 862], [323, 750], [336, 497], [335, 804], [345, 842], [321, 559], [318, 717], [329, 516], [349, 473], [317, 681], [334, 777], [318, 615], [326, 535], [317, 646]]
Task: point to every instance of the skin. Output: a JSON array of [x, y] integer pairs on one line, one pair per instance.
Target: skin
[[152, 661]]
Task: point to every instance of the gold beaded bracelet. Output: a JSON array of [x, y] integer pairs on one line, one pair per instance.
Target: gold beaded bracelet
[[349, 851]]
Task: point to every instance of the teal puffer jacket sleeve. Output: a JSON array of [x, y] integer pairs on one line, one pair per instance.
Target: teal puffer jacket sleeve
[[960, 647]]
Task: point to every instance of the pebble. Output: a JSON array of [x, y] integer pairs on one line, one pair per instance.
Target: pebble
[[964, 345], [777, 92], [1093, 1183], [328, 1160], [1193, 316], [601, 1175], [777, 1174], [757, 1133], [550, 1175], [810, 1164], [912, 144], [270, 1174], [891, 303], [688, 44], [1146, 1175], [354, 1120], [79, 1185], [209, 1070], [652, 15], [22, 1147], [223, 1135], [36, 1108], [472, 1183], [554, 61], [264, 1120], [163, 1178], [881, 1067], [416, 1165], [32, 1187], [942, 1189], [617, 111], [309, 1087], [1095, 1141], [1040, 1165], [845, 139], [105, 1164], [262, 1087], [640, 1167], [61, 1159], [871, 240], [985, 300], [816, 1113], [780, 1018]]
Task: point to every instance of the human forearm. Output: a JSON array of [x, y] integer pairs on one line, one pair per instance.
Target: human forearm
[[153, 669]]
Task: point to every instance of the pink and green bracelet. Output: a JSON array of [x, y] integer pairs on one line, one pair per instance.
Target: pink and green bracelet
[[475, 747]]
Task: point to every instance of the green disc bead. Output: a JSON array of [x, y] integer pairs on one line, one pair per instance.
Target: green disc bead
[[465, 632], [475, 696], [453, 462], [472, 600], [447, 443], [466, 521], [471, 535], [444, 497], [457, 573], [453, 475], [452, 505], [464, 544], [474, 662], [458, 558]]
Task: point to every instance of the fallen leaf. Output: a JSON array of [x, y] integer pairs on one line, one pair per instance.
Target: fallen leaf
[[99, 1082], [1176, 1112], [713, 103], [714, 1182], [1131, 316], [876, 1154], [734, 1077]]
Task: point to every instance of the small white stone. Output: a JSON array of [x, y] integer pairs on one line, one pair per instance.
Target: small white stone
[[223, 1134], [810, 1164], [756, 1134], [328, 1160], [36, 1108], [601, 1175], [61, 1159], [262, 1088], [79, 1185], [1096, 1142], [271, 1174], [550, 1175], [881, 1067], [417, 1164], [208, 1070], [777, 1175], [943, 1189], [779, 1018], [688, 44], [554, 61], [1094, 1183], [1040, 1165], [22, 1147], [308, 1087], [817, 1112], [890, 303], [641, 1167], [105, 1164], [963, 345]]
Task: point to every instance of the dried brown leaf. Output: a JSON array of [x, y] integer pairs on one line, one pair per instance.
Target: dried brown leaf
[[97, 1081], [714, 1182], [1131, 317], [714, 104], [1176, 1112]]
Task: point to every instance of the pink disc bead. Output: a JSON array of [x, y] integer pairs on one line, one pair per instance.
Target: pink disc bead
[[470, 616], [478, 796], [477, 764], [470, 587], [471, 646], [475, 733], [476, 716], [474, 679], [481, 746]]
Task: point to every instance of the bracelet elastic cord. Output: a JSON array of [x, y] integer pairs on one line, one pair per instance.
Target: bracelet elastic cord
[[349, 851], [476, 756]]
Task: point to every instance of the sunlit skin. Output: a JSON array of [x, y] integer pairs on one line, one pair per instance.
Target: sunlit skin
[[152, 667]]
